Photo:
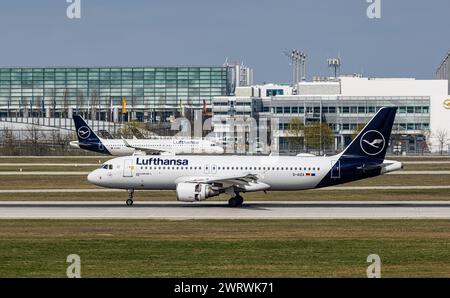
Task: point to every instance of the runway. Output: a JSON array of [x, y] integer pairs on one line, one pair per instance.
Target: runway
[[220, 210]]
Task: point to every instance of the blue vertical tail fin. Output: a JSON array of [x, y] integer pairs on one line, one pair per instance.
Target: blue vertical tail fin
[[84, 133], [372, 141], [87, 139], [364, 157]]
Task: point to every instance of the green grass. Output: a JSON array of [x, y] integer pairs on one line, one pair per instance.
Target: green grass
[[79, 181], [44, 181], [419, 158], [56, 159], [403, 180], [219, 248], [427, 167], [71, 168], [75, 182]]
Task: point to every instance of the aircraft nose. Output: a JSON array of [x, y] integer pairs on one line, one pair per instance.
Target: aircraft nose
[[94, 177]]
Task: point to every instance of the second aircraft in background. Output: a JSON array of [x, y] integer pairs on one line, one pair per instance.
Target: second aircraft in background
[[88, 140]]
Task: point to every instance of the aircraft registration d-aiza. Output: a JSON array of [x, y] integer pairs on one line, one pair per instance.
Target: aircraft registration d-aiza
[[196, 178], [88, 140]]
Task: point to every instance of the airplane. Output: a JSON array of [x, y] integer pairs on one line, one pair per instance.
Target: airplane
[[88, 140], [196, 178]]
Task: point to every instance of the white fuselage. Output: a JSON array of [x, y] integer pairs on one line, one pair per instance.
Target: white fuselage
[[118, 147], [278, 172]]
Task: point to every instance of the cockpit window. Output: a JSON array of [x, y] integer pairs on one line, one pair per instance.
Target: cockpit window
[[107, 167], [110, 167]]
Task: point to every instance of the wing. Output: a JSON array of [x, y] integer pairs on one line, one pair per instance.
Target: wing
[[249, 182], [147, 150], [229, 180]]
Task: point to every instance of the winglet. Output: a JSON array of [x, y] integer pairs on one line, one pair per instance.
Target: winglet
[[149, 150], [126, 143]]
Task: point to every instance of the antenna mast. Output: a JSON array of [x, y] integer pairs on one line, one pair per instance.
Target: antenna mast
[[298, 62], [334, 63]]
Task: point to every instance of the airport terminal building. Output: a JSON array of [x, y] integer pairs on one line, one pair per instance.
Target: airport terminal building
[[113, 95], [344, 103], [150, 94]]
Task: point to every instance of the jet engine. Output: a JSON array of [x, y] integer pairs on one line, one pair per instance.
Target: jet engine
[[192, 192]]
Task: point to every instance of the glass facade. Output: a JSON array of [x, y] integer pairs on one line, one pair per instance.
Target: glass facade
[[346, 113], [343, 114], [37, 91]]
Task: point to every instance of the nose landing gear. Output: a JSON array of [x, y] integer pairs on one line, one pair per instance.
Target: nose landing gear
[[130, 197]]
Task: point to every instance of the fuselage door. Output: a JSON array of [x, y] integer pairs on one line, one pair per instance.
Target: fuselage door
[[335, 169], [128, 168]]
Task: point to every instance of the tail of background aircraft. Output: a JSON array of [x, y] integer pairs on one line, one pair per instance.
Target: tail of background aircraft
[[372, 141], [87, 139]]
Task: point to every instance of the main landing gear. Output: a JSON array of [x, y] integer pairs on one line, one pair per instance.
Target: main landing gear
[[130, 197], [236, 201]]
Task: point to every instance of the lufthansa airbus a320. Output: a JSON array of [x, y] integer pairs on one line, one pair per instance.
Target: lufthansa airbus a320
[[196, 178], [88, 140]]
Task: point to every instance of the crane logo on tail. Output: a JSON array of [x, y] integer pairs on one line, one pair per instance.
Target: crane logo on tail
[[372, 142], [84, 132], [375, 143]]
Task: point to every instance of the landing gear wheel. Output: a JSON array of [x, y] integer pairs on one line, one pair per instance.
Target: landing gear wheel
[[240, 200], [236, 201], [233, 202], [130, 197]]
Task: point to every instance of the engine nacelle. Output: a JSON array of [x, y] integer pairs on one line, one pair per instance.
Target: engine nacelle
[[192, 192]]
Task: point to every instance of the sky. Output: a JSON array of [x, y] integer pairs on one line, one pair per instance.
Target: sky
[[409, 40]]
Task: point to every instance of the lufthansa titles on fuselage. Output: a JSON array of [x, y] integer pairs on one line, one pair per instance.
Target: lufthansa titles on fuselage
[[186, 142], [156, 161]]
